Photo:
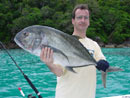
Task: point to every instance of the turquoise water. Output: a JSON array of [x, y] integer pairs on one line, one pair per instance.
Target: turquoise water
[[118, 83]]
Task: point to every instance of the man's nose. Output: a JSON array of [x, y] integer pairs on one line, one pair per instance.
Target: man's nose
[[83, 19]]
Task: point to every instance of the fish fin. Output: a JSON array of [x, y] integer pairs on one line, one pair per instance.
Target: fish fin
[[84, 65], [110, 69], [71, 69], [113, 69], [104, 75], [55, 50]]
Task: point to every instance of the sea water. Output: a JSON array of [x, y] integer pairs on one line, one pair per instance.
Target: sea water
[[118, 83]]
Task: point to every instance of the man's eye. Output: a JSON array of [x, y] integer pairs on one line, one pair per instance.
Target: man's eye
[[85, 17], [79, 17]]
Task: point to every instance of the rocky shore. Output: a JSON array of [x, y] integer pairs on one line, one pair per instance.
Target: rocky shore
[[12, 45], [123, 45], [112, 45]]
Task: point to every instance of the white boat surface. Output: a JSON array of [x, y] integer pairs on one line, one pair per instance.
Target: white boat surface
[[121, 96]]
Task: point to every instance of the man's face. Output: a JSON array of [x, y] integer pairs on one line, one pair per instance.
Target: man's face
[[81, 21]]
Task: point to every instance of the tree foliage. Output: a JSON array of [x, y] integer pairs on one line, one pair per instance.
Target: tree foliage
[[109, 19]]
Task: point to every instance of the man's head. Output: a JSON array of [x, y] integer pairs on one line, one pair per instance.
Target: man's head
[[80, 6], [80, 18]]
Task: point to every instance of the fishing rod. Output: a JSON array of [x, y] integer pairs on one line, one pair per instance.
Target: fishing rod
[[25, 76]]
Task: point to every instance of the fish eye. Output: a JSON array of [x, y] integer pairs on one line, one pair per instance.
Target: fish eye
[[26, 33]]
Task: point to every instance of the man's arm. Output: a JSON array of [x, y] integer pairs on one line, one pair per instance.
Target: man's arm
[[47, 57], [102, 64]]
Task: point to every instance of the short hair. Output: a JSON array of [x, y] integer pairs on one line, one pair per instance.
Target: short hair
[[79, 6]]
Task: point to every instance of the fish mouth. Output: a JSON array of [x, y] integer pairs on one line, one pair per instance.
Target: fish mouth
[[23, 45], [19, 42]]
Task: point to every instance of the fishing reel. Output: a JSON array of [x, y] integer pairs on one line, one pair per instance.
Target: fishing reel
[[30, 96]]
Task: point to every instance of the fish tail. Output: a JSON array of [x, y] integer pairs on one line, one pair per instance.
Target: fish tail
[[113, 69], [104, 75], [110, 69]]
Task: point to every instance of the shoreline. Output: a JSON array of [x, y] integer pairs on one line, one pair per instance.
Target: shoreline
[[111, 45], [115, 45], [102, 45]]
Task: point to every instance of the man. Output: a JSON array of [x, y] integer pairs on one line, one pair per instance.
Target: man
[[82, 84]]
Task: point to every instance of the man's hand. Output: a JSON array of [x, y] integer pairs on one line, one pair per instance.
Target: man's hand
[[47, 57], [102, 65]]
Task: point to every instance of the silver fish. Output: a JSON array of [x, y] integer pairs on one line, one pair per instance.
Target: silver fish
[[68, 51]]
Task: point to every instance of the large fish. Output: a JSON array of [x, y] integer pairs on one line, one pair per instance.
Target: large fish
[[68, 51]]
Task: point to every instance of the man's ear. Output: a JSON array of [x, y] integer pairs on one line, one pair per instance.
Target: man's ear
[[89, 23], [72, 21]]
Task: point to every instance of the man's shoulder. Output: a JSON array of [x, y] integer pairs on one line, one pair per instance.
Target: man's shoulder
[[91, 40]]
